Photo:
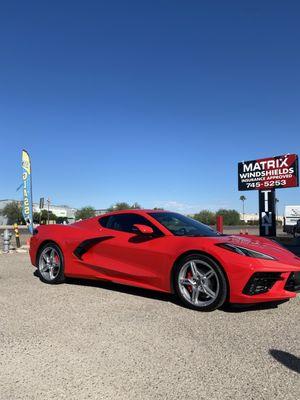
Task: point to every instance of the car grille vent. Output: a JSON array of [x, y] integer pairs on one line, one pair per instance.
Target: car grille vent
[[261, 282], [293, 282]]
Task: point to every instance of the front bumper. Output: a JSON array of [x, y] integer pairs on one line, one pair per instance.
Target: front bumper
[[276, 280], [261, 282]]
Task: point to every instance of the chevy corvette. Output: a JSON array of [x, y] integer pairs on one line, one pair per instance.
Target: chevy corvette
[[167, 252]]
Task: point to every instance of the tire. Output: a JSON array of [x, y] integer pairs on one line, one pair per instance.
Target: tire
[[50, 264], [200, 283]]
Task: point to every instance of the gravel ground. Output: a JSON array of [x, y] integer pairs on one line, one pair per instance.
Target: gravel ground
[[85, 340]]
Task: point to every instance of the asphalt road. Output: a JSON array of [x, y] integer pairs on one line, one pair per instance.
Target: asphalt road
[[104, 341]]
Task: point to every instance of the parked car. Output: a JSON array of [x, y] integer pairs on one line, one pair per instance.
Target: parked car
[[291, 222], [168, 252]]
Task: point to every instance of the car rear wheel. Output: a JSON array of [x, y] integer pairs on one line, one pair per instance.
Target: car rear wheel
[[200, 283], [51, 264]]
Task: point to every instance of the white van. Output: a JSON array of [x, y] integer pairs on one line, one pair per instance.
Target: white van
[[291, 218]]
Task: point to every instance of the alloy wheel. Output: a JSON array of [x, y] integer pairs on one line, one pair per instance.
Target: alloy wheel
[[198, 283], [49, 263]]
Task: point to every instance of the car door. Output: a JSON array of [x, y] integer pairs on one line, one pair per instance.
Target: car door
[[127, 256]]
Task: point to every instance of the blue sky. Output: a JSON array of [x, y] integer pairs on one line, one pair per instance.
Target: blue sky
[[153, 102]]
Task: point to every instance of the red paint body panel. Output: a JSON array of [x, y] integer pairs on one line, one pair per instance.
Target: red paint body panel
[[147, 262]]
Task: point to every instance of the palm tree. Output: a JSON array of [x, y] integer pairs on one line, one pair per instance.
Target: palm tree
[[243, 198]]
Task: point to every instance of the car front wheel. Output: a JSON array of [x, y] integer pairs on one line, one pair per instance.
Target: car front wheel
[[200, 283]]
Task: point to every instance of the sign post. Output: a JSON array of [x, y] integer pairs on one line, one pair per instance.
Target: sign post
[[266, 175], [267, 215], [42, 203]]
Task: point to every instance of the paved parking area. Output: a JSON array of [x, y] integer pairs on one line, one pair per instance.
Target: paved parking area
[[104, 341]]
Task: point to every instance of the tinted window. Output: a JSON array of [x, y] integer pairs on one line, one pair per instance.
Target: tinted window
[[125, 222], [103, 221], [180, 225]]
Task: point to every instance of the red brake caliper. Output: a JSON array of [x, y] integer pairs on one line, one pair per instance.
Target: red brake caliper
[[189, 276]]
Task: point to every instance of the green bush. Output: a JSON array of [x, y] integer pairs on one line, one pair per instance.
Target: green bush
[[85, 212], [230, 217], [206, 217], [124, 206]]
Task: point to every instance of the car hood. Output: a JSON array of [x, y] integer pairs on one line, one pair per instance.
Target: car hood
[[261, 245]]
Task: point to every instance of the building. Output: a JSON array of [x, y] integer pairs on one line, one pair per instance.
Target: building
[[253, 217], [62, 211], [249, 217], [101, 211]]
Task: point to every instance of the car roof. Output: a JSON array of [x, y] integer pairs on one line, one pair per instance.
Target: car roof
[[130, 210], [133, 210]]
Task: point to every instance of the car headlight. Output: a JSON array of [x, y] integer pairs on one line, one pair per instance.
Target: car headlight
[[244, 252]]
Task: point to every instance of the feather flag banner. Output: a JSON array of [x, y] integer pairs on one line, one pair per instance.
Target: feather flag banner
[[27, 191]]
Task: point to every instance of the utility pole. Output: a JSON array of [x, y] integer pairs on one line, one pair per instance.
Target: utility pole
[[48, 212], [276, 208], [42, 201]]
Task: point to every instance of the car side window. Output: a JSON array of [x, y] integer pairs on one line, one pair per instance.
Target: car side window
[[103, 221], [125, 222]]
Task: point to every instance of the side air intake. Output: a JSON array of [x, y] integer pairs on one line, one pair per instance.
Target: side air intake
[[86, 245]]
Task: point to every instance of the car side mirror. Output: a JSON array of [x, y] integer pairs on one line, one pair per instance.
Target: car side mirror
[[143, 229]]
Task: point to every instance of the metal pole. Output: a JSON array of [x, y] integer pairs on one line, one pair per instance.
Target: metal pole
[[244, 210], [17, 235], [42, 201], [220, 223], [48, 202]]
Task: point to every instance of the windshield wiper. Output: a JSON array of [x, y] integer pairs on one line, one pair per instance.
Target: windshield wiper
[[199, 235], [196, 235]]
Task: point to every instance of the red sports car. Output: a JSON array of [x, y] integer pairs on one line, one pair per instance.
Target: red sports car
[[168, 252]]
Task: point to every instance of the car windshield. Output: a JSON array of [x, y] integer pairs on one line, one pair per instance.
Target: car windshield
[[181, 225]]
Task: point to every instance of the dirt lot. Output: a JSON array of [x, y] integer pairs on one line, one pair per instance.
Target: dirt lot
[[103, 341]]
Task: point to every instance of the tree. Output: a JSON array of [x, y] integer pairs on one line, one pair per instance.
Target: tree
[[85, 212], [230, 217], [119, 206], [61, 220], [243, 199], [36, 217], [13, 212], [135, 206], [206, 217], [123, 206], [42, 217]]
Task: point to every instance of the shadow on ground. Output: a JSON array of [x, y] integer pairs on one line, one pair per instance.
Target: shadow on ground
[[115, 287], [167, 297], [288, 360], [239, 308]]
